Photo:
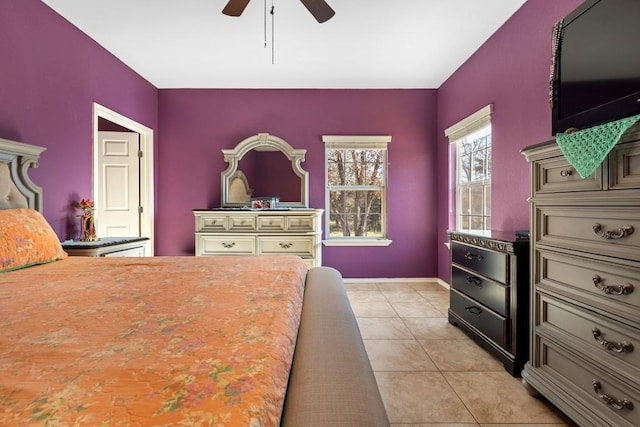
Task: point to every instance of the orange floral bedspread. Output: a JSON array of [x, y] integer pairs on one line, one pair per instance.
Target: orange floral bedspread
[[197, 341]]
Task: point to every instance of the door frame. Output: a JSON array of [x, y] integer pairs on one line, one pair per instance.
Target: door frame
[[147, 225]]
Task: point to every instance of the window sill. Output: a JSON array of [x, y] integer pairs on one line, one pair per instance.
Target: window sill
[[357, 242]]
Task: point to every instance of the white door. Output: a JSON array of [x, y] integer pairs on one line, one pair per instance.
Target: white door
[[118, 183]]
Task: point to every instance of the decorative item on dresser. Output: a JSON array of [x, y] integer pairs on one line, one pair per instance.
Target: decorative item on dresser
[[259, 232], [585, 329], [87, 220], [490, 292]]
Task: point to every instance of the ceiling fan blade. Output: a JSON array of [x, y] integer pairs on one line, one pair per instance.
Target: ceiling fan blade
[[319, 9], [235, 7]]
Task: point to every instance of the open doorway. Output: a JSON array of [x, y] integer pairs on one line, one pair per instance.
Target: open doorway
[[142, 180]]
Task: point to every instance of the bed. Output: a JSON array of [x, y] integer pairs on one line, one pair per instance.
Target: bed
[[215, 341]]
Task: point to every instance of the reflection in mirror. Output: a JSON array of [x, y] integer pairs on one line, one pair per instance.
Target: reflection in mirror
[[239, 191], [270, 174], [270, 168]]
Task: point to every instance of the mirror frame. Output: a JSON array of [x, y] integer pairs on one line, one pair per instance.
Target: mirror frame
[[265, 142]]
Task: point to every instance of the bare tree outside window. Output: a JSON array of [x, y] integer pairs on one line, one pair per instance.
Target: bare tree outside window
[[355, 184], [473, 184]]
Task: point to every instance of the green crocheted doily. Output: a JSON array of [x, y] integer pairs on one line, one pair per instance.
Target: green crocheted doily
[[586, 149]]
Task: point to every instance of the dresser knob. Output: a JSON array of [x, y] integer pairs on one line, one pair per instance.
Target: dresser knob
[[469, 255], [285, 245], [566, 172], [474, 310], [474, 280], [627, 288], [228, 245], [618, 347], [618, 404], [624, 231]]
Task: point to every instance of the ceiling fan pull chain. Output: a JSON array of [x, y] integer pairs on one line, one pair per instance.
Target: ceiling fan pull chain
[[265, 24], [273, 26]]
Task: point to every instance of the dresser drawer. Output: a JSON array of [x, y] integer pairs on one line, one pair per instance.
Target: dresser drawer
[[485, 262], [556, 175], [241, 223], [608, 342], [292, 245], [594, 387], [271, 223], [624, 169], [225, 245], [611, 231], [211, 223], [483, 290], [484, 320], [300, 223], [606, 286], [131, 252]]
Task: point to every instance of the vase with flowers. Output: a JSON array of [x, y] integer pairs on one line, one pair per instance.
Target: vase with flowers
[[87, 220]]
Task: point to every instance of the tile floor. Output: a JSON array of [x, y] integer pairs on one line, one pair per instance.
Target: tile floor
[[430, 374]]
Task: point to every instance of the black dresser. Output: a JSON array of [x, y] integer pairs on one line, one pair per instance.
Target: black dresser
[[490, 293]]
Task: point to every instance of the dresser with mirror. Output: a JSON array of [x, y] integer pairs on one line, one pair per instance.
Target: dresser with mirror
[[262, 167]]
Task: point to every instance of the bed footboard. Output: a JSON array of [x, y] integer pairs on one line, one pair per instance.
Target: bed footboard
[[331, 381]]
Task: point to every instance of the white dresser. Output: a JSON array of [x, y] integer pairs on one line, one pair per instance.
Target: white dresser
[[585, 336], [260, 232]]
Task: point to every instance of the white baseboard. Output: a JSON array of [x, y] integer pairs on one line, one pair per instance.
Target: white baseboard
[[400, 280]]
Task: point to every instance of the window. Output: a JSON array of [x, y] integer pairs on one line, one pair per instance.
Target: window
[[472, 139], [356, 190]]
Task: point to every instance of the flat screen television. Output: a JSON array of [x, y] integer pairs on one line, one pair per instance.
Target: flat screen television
[[596, 76]]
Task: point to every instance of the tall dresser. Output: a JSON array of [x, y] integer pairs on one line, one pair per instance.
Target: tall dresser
[[489, 297], [585, 258], [260, 232]]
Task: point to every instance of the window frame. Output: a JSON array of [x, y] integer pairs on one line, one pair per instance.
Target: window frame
[[456, 133], [356, 142]]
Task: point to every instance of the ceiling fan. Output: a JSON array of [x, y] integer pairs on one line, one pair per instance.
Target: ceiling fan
[[318, 8]]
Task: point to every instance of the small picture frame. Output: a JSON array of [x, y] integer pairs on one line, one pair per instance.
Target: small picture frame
[[264, 202]]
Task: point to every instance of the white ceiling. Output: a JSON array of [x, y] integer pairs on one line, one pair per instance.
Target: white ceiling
[[367, 44]]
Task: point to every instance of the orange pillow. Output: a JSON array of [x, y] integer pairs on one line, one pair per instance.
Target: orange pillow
[[26, 239]]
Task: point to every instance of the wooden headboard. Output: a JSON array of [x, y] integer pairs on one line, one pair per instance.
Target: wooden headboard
[[16, 188]]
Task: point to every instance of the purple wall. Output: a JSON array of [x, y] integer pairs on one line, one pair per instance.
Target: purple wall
[[511, 71], [51, 73], [196, 124]]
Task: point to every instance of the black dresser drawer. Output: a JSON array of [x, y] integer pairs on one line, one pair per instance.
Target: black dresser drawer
[[488, 323], [488, 263], [483, 290]]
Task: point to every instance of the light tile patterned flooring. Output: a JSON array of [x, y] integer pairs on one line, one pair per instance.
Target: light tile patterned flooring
[[430, 374]]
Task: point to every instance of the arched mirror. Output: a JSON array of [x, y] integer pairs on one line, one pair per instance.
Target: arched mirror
[[264, 166]]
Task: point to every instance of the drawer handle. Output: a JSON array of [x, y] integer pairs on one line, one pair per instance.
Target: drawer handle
[[473, 280], [474, 310], [566, 172], [228, 245], [614, 403], [625, 231], [285, 245], [469, 255], [627, 288], [618, 347]]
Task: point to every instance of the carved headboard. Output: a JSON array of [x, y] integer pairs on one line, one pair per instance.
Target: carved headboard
[[16, 188]]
